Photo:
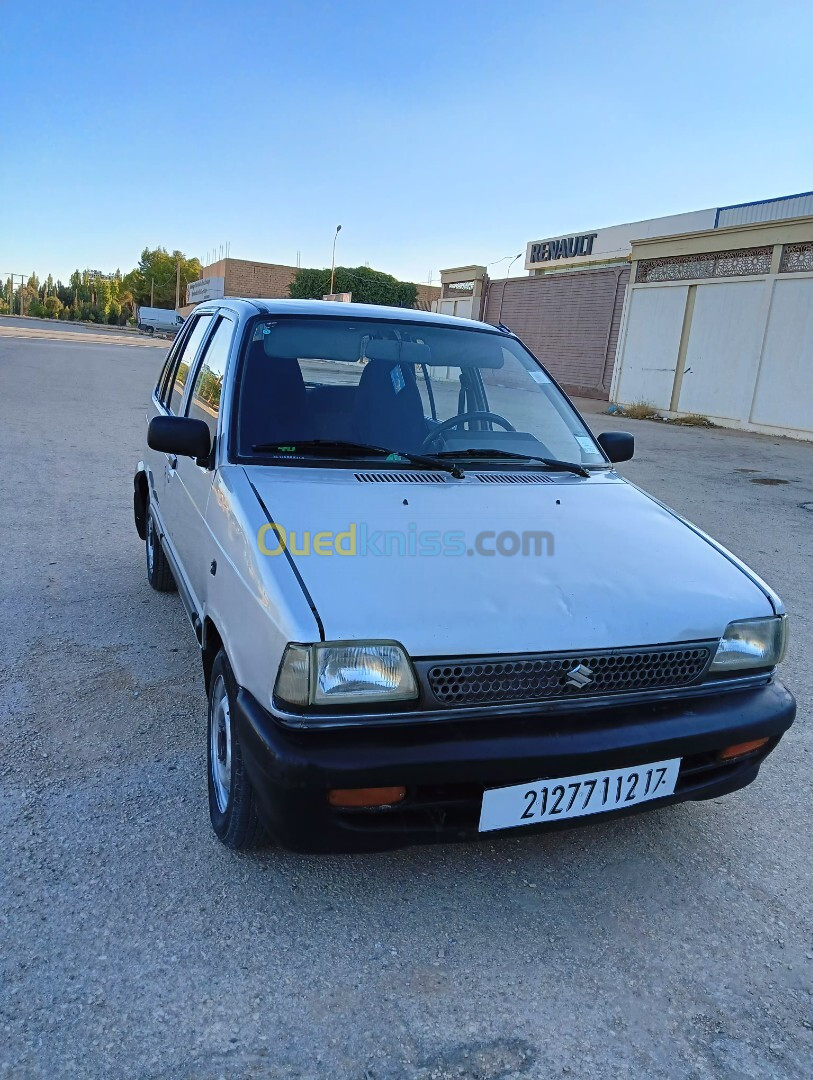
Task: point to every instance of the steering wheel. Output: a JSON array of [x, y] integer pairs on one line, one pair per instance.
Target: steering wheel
[[461, 418]]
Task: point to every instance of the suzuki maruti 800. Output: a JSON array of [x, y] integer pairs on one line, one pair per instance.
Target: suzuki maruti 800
[[427, 605]]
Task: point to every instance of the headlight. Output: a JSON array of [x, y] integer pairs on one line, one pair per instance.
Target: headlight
[[344, 673], [752, 643]]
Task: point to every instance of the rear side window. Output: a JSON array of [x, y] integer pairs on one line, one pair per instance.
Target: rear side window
[[162, 378], [186, 358], [204, 404]]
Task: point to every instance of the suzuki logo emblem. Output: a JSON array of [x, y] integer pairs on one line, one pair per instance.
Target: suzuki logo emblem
[[579, 676]]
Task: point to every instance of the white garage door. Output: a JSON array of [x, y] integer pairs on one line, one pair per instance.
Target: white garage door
[[654, 326], [784, 395], [722, 355]]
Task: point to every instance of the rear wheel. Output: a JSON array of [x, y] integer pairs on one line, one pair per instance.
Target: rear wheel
[[159, 573], [232, 802]]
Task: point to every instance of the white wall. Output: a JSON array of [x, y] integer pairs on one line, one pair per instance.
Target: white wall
[[722, 354], [654, 320], [462, 308], [784, 391], [748, 359]]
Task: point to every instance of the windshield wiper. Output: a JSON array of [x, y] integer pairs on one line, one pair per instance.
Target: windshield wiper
[[334, 447], [482, 452]]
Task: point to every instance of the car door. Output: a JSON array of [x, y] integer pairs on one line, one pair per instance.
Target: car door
[[193, 482], [154, 460], [169, 400]]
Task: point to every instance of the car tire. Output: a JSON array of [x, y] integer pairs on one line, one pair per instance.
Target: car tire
[[150, 329], [232, 802], [159, 573]]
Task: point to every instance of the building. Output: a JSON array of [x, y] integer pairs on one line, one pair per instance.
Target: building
[[570, 305], [239, 277], [243, 277], [720, 323]]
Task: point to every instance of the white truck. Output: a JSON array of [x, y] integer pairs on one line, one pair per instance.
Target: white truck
[[164, 320]]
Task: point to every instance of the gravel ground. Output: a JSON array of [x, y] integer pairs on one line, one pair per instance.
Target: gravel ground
[[132, 945]]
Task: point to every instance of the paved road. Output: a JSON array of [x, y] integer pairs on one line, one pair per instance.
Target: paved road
[[132, 945], [73, 333]]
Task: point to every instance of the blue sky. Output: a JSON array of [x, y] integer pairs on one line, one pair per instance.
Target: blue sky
[[437, 134]]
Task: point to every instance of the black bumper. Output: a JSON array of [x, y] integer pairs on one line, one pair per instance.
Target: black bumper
[[446, 767]]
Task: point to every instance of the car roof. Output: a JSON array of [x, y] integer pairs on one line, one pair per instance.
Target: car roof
[[340, 310]]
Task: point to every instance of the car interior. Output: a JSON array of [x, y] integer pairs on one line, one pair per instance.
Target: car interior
[[377, 386]]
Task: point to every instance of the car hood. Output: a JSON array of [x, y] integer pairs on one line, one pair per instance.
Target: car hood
[[614, 568]]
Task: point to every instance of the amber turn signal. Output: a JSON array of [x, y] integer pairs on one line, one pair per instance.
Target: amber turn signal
[[366, 797], [741, 749]]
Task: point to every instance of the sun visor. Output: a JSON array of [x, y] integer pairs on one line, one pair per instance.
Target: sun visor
[[474, 350], [312, 340]]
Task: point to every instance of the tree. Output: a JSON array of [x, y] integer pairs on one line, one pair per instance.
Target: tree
[[157, 268], [367, 286], [53, 306], [29, 297], [102, 296]]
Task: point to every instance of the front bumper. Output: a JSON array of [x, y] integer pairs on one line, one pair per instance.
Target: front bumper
[[446, 767]]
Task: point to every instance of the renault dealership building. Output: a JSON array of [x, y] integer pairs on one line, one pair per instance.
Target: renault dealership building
[[578, 309]]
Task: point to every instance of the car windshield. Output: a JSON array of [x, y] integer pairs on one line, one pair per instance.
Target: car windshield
[[309, 384]]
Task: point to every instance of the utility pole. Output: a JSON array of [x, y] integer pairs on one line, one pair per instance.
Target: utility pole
[[178, 285], [11, 278], [152, 292]]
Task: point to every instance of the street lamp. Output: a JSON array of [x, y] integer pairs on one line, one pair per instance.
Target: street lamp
[[333, 260], [502, 294], [512, 263]]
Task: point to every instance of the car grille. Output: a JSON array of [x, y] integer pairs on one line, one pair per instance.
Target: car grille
[[574, 675]]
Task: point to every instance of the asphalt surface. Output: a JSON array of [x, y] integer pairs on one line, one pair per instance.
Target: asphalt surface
[[57, 330], [676, 943]]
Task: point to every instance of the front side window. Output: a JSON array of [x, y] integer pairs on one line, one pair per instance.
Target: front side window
[[186, 358], [409, 387], [204, 403]]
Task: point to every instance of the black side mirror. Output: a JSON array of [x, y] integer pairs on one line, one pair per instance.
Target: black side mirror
[[617, 445], [180, 435]]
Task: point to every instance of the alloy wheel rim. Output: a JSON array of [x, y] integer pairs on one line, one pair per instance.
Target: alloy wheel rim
[[220, 743]]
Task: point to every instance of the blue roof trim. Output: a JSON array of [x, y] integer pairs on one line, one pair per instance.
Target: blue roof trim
[[758, 202], [762, 202]]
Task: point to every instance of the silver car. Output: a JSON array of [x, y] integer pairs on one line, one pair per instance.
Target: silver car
[[427, 605]]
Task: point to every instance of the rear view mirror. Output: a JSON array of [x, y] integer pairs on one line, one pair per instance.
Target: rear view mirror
[[181, 435], [617, 445]]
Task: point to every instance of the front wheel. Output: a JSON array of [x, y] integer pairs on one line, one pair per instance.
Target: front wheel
[[159, 573], [232, 802]]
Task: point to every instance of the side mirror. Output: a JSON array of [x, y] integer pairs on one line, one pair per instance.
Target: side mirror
[[180, 435], [617, 445]]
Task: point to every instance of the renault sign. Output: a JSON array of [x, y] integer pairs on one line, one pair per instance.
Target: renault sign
[[563, 247]]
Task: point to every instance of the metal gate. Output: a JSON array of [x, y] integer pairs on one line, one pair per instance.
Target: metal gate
[[569, 321]]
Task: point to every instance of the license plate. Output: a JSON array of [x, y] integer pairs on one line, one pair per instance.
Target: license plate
[[577, 796]]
